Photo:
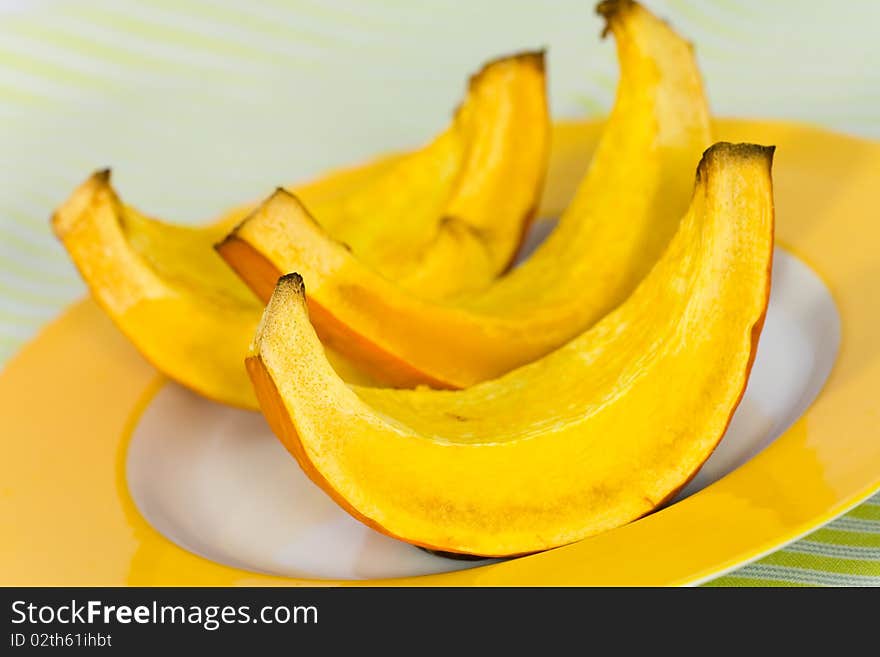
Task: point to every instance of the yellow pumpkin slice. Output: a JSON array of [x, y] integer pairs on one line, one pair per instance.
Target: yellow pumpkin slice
[[186, 311], [479, 183], [592, 436], [622, 216]]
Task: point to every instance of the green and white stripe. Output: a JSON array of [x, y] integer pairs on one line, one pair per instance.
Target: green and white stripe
[[200, 104], [846, 552]]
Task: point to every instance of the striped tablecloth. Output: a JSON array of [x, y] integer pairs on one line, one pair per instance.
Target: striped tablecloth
[[199, 104]]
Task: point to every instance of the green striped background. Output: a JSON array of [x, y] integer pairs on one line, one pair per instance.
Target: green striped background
[[200, 104]]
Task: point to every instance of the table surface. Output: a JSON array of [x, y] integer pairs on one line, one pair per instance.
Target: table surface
[[200, 105]]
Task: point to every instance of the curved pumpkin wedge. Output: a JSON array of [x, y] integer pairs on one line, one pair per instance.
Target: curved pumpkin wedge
[[479, 183], [168, 292], [451, 216], [592, 436], [193, 318], [624, 213]]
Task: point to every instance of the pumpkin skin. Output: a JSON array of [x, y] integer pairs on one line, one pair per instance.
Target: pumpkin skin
[[590, 437], [623, 214], [167, 289]]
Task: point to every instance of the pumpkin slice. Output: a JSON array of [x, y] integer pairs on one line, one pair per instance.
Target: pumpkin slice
[[186, 311], [455, 213], [592, 436], [624, 213]]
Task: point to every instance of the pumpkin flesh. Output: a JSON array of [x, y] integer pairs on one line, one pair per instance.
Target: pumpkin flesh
[[585, 439]]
